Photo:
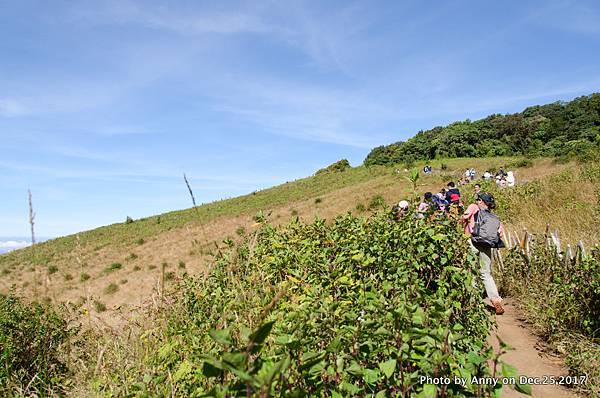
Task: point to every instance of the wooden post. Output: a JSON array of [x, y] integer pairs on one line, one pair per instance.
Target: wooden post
[[568, 255], [500, 260], [582, 249]]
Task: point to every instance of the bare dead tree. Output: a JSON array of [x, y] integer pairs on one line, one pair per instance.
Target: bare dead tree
[[31, 219], [191, 193]]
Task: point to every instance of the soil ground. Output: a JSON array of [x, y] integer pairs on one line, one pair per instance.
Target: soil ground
[[528, 356]]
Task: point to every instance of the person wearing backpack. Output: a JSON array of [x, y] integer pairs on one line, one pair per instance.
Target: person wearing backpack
[[485, 229]]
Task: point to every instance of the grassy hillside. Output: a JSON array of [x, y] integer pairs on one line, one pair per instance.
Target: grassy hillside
[[122, 265], [108, 274]]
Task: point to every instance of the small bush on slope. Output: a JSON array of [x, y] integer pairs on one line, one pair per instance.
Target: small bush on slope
[[31, 337], [358, 307]]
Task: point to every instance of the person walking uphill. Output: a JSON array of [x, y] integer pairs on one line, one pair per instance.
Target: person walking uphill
[[485, 229]]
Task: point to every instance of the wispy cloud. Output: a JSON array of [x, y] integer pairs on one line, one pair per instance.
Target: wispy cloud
[[9, 245], [181, 20]]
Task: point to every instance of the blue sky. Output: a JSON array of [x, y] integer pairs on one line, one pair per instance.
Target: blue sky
[[105, 104]]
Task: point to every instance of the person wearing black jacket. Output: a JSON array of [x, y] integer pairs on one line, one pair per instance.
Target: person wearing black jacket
[[451, 190]]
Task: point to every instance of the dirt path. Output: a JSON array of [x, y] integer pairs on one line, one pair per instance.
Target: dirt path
[[529, 360]]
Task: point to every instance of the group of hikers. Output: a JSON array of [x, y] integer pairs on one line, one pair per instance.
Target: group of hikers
[[480, 225]]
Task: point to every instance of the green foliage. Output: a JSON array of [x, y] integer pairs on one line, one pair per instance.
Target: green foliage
[[557, 129], [52, 269], [111, 288], [99, 306], [318, 200], [351, 308], [377, 202], [113, 267], [140, 241], [360, 207], [181, 264], [84, 277], [128, 220], [339, 166], [31, 340]]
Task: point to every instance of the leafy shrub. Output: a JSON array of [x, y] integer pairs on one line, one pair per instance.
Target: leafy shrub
[[140, 241], [336, 167], [84, 277], [169, 276], [360, 207], [128, 220], [52, 269], [113, 267], [348, 309], [318, 200], [181, 264], [111, 289], [523, 162], [68, 277], [376, 202], [31, 340], [240, 231], [99, 306]]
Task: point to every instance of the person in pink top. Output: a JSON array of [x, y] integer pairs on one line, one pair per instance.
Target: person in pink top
[[483, 252]]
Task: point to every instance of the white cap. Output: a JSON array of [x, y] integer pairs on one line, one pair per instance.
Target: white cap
[[403, 204]]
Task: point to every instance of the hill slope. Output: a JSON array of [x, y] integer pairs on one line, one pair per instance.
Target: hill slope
[[122, 265]]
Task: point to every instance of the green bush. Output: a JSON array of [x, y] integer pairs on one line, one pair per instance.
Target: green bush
[[32, 337], [52, 269], [348, 308], [111, 288], [84, 277], [336, 167], [99, 306], [377, 202], [113, 267]]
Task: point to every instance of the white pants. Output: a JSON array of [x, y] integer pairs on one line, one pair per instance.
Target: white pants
[[484, 260]]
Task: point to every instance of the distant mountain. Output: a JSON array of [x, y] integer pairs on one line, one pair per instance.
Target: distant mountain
[[9, 243], [555, 129]]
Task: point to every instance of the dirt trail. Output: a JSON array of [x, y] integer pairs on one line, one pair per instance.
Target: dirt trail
[[526, 357]]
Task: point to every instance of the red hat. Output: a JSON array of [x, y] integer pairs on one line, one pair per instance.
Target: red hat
[[454, 198]]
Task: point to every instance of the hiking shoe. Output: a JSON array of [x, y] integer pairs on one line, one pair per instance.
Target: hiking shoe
[[499, 308]]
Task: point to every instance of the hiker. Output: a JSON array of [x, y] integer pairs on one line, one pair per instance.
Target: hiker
[[439, 200], [476, 189], [472, 173], [455, 208], [427, 169], [425, 205], [400, 210], [484, 228], [452, 190], [510, 179], [487, 175]]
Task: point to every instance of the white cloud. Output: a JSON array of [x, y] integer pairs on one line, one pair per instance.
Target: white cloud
[[8, 245]]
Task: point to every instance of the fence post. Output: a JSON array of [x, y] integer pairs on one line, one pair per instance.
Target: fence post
[[582, 249]]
